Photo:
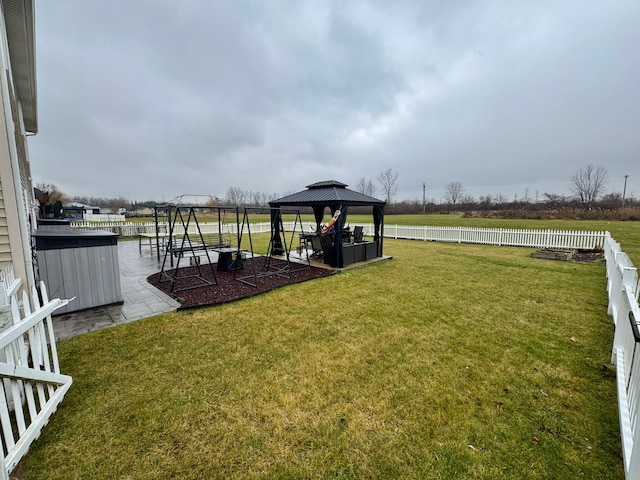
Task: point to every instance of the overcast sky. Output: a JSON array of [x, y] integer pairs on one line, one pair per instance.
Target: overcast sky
[[155, 99]]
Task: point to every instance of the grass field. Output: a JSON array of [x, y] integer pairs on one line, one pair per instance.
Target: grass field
[[449, 361]]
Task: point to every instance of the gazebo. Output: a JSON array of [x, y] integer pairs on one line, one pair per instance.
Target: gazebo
[[337, 197]]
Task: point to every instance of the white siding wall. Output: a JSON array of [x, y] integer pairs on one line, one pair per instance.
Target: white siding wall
[[15, 195]]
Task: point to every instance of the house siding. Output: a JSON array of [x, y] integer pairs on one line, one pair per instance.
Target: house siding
[[16, 193], [5, 247]]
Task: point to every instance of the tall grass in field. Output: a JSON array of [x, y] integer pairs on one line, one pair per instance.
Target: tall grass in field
[[448, 361]]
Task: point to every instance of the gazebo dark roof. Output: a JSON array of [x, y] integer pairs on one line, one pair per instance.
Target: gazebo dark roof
[[329, 192]]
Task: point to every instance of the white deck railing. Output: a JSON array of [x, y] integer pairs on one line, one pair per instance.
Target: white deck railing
[[9, 286], [30, 374]]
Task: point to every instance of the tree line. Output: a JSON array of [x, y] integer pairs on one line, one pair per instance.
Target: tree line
[[587, 186]]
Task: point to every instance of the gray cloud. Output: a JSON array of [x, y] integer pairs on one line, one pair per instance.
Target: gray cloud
[[150, 100]]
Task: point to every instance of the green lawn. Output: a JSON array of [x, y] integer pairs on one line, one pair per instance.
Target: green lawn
[[449, 361], [626, 233]]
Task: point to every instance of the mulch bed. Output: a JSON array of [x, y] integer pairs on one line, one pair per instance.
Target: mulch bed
[[578, 256], [588, 256], [227, 288]]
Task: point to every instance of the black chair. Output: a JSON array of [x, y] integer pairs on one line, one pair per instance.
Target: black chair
[[316, 245], [358, 233]]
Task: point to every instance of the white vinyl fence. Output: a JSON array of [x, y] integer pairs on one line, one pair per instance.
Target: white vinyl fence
[[497, 236], [486, 236], [622, 287], [149, 228], [30, 375]]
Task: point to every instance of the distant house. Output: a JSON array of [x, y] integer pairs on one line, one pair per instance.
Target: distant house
[[78, 211], [145, 212], [18, 94]]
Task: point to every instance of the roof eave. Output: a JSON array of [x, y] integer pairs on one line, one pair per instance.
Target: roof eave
[[19, 21]]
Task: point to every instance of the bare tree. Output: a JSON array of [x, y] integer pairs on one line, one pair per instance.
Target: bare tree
[[234, 196], [486, 201], [554, 200], [588, 183], [389, 181], [115, 204], [370, 189], [366, 187], [255, 198], [52, 194], [453, 192], [213, 201]]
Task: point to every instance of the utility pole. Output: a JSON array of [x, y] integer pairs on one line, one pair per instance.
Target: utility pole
[[424, 204], [624, 190]]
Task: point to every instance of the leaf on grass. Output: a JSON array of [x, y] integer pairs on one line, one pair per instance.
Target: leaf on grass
[[573, 339], [535, 439]]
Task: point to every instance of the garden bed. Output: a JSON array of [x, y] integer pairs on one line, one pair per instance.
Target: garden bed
[[579, 256]]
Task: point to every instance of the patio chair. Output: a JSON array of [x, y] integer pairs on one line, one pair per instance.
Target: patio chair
[[358, 233], [316, 246], [347, 234]]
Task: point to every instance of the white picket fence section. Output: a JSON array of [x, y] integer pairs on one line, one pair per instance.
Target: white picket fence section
[[104, 217], [30, 374], [622, 287], [486, 236], [497, 236], [135, 229]]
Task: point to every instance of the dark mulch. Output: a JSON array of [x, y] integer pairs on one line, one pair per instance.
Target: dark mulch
[[588, 256], [567, 254], [227, 288]]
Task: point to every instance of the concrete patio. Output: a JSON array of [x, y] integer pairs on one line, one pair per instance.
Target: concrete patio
[[141, 299]]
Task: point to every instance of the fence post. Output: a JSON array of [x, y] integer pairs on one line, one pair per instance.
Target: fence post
[[4, 475], [626, 281]]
